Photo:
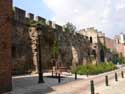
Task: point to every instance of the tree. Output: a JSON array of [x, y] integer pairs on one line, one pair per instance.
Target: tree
[[55, 49], [69, 27]]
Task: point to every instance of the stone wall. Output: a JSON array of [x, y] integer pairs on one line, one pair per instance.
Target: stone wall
[[5, 45], [73, 47], [92, 35], [22, 57], [98, 42], [110, 43]]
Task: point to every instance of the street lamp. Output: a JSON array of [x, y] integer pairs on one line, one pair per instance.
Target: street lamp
[[40, 70]]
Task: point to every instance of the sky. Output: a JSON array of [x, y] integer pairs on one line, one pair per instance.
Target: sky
[[107, 16]]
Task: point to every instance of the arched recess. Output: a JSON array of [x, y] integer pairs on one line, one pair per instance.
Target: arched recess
[[102, 56]]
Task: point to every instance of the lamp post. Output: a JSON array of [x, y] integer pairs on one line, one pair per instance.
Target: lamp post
[[40, 70]]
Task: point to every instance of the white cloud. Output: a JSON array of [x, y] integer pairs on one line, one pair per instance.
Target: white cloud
[[102, 14]]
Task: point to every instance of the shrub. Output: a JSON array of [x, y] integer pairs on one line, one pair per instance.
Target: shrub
[[92, 69]]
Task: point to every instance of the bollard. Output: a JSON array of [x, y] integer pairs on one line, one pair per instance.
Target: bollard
[[87, 72], [52, 73], [106, 81], [122, 73], [75, 75], [116, 77], [56, 74], [59, 78], [92, 87]]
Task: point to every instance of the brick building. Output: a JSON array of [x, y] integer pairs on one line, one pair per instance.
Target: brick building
[[110, 43], [5, 45], [120, 44]]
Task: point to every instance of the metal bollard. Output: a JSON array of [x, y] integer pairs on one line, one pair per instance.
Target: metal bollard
[[92, 87], [75, 75], [116, 77], [56, 74], [52, 73], [106, 81], [122, 73], [59, 78]]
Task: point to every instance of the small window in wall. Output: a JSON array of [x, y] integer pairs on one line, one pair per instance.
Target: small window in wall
[[102, 56], [90, 39], [117, 41]]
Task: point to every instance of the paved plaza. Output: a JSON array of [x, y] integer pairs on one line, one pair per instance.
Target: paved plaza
[[28, 84]]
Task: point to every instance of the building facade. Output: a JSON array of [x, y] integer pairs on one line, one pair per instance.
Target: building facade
[[96, 39], [120, 44]]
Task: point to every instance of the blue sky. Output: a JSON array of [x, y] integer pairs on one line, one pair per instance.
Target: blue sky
[[107, 16], [38, 7]]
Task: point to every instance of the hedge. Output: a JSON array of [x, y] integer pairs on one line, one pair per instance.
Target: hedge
[[92, 69]]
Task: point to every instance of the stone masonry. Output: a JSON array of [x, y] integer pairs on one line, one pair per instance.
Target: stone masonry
[[5, 45], [22, 57], [95, 38], [73, 47]]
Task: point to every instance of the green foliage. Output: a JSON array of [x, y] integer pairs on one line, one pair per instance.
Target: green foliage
[[69, 27], [34, 23], [55, 49], [92, 69], [121, 60], [118, 59]]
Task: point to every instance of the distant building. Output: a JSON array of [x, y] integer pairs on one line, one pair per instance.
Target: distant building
[[120, 44], [104, 48], [110, 44], [96, 38], [122, 38]]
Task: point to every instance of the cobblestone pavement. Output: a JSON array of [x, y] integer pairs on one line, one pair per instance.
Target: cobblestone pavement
[[29, 85]]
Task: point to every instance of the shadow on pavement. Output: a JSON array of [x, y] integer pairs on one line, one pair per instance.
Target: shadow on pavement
[[29, 84]]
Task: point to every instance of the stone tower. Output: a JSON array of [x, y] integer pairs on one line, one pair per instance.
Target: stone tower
[[5, 45]]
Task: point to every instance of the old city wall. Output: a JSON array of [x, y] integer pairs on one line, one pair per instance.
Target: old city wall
[[21, 44], [73, 47]]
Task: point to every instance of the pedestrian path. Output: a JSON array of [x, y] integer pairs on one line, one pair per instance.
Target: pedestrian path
[[83, 86], [113, 88], [28, 84]]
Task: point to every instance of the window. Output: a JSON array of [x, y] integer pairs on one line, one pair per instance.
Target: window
[[90, 39]]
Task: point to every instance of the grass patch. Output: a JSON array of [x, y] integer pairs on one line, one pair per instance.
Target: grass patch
[[93, 69]]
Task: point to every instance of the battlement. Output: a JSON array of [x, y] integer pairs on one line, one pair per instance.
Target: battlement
[[100, 34], [91, 29], [20, 16]]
